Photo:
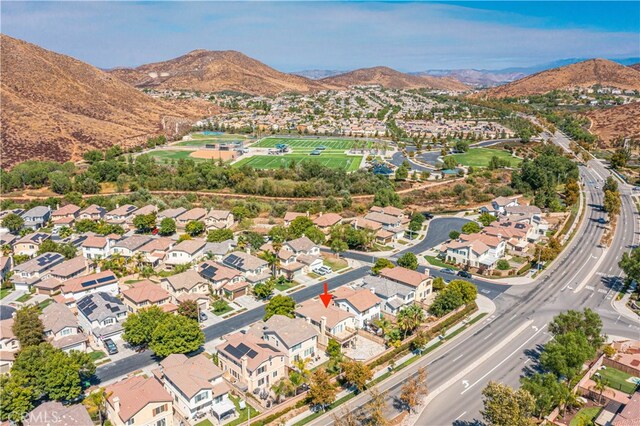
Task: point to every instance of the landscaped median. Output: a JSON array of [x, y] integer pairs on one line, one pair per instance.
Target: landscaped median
[[384, 365]]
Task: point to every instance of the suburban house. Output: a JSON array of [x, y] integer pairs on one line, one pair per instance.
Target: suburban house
[[419, 282], [195, 384], [9, 345], [139, 401], [6, 263], [389, 210], [64, 216], [392, 224], [104, 282], [499, 205], [382, 236], [129, 246], [297, 256], [61, 328], [171, 213], [93, 212], [294, 336], [188, 251], [120, 214], [531, 215], [30, 272], [188, 285], [217, 251], [326, 221], [102, 314], [54, 412], [218, 219], [330, 322], [251, 362], [219, 275], [289, 216], [517, 235], [475, 250], [36, 217], [363, 303], [155, 251], [394, 295], [146, 293], [95, 247], [254, 269], [52, 280], [30, 243], [197, 213]]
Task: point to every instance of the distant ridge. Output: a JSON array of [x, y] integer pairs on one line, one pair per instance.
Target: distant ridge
[[317, 74], [390, 78], [582, 74]]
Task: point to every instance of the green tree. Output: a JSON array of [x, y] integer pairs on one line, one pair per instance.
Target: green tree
[[59, 182], [298, 226], [610, 185], [504, 406], [630, 264], [454, 235], [93, 156], [96, 404], [449, 163], [586, 322], [356, 373], [409, 261], [321, 391], [566, 353], [546, 390], [195, 228], [145, 222], [219, 235], [381, 263], [503, 265], [12, 222], [339, 246], [456, 294], [139, 327], [486, 219], [612, 202], [176, 335], [16, 397], [409, 318], [470, 228], [265, 289], [280, 305], [189, 309], [167, 226], [27, 326], [620, 158], [315, 234], [438, 284], [278, 234], [334, 350], [387, 197], [402, 173]]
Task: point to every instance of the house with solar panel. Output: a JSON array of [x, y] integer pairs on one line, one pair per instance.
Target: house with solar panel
[[92, 212], [254, 269], [102, 314], [76, 288], [297, 338], [30, 244], [32, 271], [250, 362]]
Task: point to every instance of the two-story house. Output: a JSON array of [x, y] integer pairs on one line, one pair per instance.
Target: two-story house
[[30, 243], [155, 251], [218, 275], [95, 247], [52, 280], [363, 303], [61, 328], [188, 251], [419, 282], [171, 213], [254, 269], [146, 293], [36, 217], [92, 212], [395, 296], [197, 213], [128, 246], [30, 272], [104, 281], [294, 336], [188, 285], [9, 345], [391, 224], [139, 401], [499, 205], [120, 214], [196, 385], [218, 219], [64, 216], [251, 361], [326, 221], [330, 322], [102, 314], [475, 250]]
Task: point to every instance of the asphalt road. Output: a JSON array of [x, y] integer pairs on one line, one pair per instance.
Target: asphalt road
[[505, 345]]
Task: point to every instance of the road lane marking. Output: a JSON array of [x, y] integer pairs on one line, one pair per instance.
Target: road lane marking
[[458, 418], [503, 360], [458, 357]]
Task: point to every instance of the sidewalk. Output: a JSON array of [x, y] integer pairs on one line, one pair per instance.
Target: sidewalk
[[621, 305], [485, 305]]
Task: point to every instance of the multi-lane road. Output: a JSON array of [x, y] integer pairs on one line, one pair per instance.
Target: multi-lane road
[[504, 345]]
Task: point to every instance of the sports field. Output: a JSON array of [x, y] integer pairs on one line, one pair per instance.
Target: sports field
[[199, 139], [308, 144], [334, 161], [480, 157], [168, 155]]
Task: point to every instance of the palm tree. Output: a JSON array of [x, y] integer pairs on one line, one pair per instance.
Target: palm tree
[[273, 260], [383, 324], [6, 249], [296, 379], [302, 365], [96, 403], [282, 388], [410, 318], [600, 387]]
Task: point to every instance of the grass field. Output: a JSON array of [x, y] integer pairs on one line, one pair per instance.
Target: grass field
[[334, 161], [480, 157], [617, 380], [302, 144], [168, 155], [585, 416], [199, 139]]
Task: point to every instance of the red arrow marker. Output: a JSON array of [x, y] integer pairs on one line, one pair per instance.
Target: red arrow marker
[[326, 297]]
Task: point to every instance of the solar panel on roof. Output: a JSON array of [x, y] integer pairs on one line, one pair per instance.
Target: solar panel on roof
[[105, 279], [88, 283]]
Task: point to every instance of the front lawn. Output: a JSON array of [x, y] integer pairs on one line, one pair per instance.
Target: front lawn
[[335, 263], [24, 298], [617, 379], [480, 157], [220, 308], [585, 416], [4, 292], [436, 261], [96, 355], [284, 285]]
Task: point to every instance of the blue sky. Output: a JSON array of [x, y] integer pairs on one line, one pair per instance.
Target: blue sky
[[293, 36]]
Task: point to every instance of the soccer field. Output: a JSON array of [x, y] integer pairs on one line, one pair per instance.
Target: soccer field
[[334, 161], [304, 144]]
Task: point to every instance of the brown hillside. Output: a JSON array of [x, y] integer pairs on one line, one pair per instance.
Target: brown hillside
[[214, 71], [617, 122], [56, 107], [635, 66], [392, 79], [581, 74]]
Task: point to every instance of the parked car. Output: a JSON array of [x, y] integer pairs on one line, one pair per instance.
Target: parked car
[[464, 274], [110, 346], [448, 271], [322, 270], [427, 215], [203, 316], [602, 220]]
